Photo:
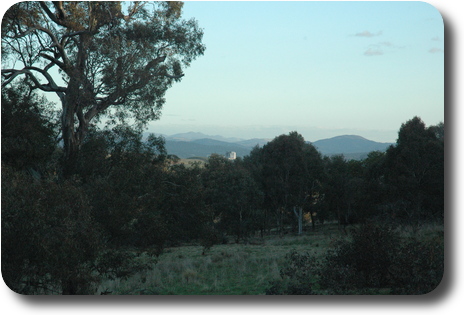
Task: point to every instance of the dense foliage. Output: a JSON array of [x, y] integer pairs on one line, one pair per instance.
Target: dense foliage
[[102, 59], [128, 199], [375, 260], [81, 204]]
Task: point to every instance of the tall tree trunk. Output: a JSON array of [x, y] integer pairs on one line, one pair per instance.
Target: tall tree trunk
[[299, 216], [74, 124], [70, 143], [72, 104]]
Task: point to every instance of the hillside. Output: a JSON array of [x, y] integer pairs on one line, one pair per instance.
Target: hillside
[[196, 144], [203, 148], [253, 142], [351, 146], [191, 136]]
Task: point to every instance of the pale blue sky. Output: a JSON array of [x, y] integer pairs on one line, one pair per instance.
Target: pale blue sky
[[320, 68]]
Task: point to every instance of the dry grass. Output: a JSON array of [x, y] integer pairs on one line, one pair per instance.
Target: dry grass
[[225, 269], [420, 231], [233, 268], [192, 161]]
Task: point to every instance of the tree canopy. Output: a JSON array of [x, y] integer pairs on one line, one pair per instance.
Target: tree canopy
[[128, 199], [416, 169], [112, 60]]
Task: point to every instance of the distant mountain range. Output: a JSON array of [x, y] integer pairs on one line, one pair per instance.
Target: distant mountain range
[[196, 144], [189, 136], [351, 146], [194, 148]]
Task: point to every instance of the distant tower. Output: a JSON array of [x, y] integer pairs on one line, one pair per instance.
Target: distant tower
[[231, 155]]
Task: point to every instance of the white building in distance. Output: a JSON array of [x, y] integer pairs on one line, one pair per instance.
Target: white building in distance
[[231, 155]]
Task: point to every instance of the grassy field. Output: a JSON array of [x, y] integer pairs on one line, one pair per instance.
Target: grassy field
[[231, 269], [224, 269], [192, 161]]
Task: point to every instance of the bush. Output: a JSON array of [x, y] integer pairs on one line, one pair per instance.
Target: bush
[[419, 266], [28, 130], [377, 260], [374, 260], [49, 240], [298, 276], [363, 261]]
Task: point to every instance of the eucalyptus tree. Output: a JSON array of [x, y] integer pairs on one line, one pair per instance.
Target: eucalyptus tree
[[232, 195], [290, 169], [28, 140], [416, 170], [112, 60], [336, 187]]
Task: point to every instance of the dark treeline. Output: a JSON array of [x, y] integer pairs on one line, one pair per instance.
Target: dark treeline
[[128, 197], [81, 204]]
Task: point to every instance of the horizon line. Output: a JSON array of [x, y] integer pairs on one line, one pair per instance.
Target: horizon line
[[208, 136]]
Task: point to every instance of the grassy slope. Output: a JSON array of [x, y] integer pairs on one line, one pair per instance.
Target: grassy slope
[[231, 269], [224, 269]]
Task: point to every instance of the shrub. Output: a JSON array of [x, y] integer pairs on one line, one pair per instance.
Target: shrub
[[298, 276], [50, 242], [362, 261], [419, 266], [377, 259], [373, 260], [49, 239]]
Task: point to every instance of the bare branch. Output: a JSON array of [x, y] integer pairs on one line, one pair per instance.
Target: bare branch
[[74, 34], [173, 76], [11, 74], [21, 34], [55, 61], [59, 45], [50, 34], [137, 6], [49, 78], [154, 62], [59, 7], [52, 16], [56, 43]]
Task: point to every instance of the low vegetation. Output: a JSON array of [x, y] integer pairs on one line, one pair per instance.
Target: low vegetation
[[133, 220], [92, 209], [193, 161], [245, 268], [326, 261]]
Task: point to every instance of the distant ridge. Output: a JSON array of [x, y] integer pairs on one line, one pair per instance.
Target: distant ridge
[[190, 136], [349, 144], [197, 144], [203, 148], [253, 142], [191, 144], [213, 142]]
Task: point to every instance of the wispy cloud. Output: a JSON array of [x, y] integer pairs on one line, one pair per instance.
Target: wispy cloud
[[386, 44], [368, 34], [373, 52], [390, 45], [381, 48], [436, 50]]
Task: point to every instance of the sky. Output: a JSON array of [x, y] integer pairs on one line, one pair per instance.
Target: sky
[[416, 52], [320, 68]]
